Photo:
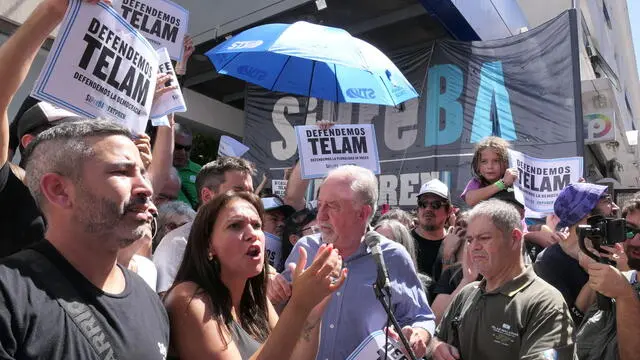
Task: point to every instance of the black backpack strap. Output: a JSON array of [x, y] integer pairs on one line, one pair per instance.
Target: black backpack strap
[[61, 289]]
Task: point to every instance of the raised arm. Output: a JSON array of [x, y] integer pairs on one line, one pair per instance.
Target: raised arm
[[162, 155], [17, 55], [296, 189]]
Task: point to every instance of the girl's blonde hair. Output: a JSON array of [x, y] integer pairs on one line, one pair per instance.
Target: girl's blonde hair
[[494, 143]]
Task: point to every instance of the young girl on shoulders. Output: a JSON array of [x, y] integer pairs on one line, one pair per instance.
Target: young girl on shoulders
[[490, 170]]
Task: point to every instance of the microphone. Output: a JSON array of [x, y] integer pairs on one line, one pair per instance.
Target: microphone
[[372, 239]]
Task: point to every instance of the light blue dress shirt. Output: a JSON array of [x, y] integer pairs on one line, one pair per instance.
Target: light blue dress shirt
[[354, 312]]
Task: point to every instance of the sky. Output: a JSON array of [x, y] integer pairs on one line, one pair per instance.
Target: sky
[[634, 19]]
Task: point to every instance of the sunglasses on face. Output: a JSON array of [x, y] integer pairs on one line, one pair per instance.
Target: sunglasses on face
[[314, 229], [631, 232], [435, 204], [182, 147]]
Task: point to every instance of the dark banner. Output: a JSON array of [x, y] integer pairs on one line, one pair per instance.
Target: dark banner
[[525, 89]]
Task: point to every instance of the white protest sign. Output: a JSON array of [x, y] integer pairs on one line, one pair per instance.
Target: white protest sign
[[323, 150], [99, 66], [171, 101], [541, 180], [279, 187], [372, 348], [163, 22], [231, 147]]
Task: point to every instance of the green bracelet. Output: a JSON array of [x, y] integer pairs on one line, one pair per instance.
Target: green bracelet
[[500, 184]]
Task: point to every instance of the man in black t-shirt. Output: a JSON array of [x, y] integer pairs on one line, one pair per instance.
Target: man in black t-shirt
[[66, 298], [433, 210], [21, 222]]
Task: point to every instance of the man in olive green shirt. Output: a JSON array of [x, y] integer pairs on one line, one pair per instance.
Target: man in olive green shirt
[[511, 313], [187, 169]]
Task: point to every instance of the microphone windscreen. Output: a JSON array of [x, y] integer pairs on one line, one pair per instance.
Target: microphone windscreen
[[372, 238]]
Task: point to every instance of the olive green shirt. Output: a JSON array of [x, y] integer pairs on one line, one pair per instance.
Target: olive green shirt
[[188, 191], [526, 318]]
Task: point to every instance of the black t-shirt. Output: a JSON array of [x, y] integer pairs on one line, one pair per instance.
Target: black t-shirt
[[429, 261], [562, 271], [449, 280], [21, 223], [34, 326]]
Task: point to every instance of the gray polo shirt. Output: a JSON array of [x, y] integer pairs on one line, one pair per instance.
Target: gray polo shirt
[[526, 318]]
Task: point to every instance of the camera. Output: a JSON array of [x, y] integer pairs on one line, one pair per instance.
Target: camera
[[603, 231]]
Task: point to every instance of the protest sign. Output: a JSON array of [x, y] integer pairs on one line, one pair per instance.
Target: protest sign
[[99, 66], [541, 180], [469, 90], [171, 101], [373, 348], [163, 22], [322, 150], [279, 187], [231, 147], [273, 250]]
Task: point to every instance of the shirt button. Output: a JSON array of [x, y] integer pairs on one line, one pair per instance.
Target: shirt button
[[338, 293], [331, 326]]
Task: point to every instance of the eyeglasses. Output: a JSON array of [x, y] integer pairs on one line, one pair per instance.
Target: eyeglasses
[[182, 147], [631, 232], [314, 229], [435, 204]]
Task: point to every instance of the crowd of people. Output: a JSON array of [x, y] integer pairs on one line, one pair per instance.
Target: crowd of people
[[118, 245]]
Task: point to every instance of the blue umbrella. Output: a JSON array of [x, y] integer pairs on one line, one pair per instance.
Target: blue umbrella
[[312, 60]]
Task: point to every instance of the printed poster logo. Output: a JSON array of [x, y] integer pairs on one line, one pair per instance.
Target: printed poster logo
[[599, 127]]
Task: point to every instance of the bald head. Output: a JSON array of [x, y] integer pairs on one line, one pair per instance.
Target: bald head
[[170, 190]]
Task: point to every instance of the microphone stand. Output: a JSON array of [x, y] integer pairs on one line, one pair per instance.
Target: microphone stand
[[380, 295]]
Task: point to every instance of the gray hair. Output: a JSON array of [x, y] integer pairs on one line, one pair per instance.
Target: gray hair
[[400, 235], [212, 173], [398, 214], [182, 129], [169, 213], [362, 181], [503, 215], [64, 149]]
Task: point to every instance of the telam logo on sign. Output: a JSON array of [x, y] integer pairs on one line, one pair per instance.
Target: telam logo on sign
[[361, 93], [251, 72]]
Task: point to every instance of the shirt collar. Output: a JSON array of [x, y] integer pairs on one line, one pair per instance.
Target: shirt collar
[[269, 235], [513, 286]]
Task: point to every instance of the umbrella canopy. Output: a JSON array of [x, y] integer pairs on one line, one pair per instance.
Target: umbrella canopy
[[312, 60]]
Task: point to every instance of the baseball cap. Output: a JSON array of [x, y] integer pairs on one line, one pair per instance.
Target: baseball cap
[[510, 196], [435, 187], [576, 201], [274, 203], [43, 114]]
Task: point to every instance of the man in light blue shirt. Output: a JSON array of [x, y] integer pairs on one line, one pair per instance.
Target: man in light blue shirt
[[347, 200]]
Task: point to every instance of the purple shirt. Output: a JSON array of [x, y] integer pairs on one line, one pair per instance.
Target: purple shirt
[[473, 184]]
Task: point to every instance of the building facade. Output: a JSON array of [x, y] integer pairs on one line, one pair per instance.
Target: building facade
[[609, 74]]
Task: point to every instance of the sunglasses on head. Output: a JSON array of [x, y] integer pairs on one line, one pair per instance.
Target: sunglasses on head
[[182, 147], [435, 204]]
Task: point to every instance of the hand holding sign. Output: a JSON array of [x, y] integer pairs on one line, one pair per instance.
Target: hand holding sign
[[181, 66], [59, 7], [164, 85], [143, 143], [510, 175]]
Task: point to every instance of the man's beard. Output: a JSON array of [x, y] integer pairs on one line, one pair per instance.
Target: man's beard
[[102, 216], [633, 262]]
